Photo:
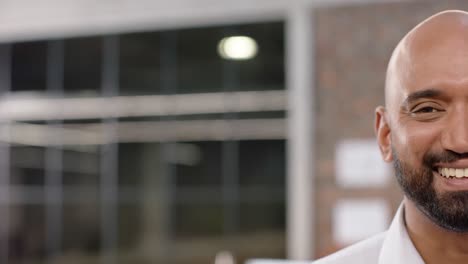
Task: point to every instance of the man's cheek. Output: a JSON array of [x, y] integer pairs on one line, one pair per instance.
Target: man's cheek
[[417, 143]]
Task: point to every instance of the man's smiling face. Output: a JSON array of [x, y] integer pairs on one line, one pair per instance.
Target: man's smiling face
[[424, 128]]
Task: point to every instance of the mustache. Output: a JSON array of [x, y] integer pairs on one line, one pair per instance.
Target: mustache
[[445, 156]]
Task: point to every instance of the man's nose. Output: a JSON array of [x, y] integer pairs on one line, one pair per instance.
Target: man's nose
[[455, 135]]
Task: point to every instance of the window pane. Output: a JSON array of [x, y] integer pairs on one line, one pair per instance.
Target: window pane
[[131, 159], [131, 231], [204, 169], [140, 63], [82, 66], [199, 65], [81, 167], [27, 165], [266, 70], [262, 162], [261, 217], [27, 233], [192, 220], [29, 63], [81, 230]]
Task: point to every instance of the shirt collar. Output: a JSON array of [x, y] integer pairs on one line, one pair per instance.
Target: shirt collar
[[397, 247]]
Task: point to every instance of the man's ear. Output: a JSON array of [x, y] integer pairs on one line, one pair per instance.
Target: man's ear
[[383, 133]]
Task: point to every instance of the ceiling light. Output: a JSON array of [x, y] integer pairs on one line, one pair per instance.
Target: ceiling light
[[237, 48]]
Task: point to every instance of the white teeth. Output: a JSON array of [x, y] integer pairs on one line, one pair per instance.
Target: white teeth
[[453, 172]]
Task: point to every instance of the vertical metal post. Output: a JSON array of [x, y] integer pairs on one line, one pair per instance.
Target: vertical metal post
[[5, 86], [230, 156], [168, 84], [300, 180], [109, 155], [230, 186], [54, 153]]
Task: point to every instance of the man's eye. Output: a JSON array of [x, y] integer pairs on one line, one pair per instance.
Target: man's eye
[[426, 109]]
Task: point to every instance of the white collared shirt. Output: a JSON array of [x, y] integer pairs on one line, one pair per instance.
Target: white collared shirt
[[391, 247]]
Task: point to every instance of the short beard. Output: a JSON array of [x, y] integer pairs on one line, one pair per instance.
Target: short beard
[[448, 210]]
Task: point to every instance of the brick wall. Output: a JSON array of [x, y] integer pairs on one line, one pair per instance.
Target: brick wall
[[353, 47]]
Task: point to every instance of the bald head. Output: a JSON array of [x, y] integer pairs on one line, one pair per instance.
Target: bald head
[[423, 130], [437, 48]]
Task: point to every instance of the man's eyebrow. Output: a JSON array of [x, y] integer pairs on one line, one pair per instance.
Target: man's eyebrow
[[428, 93]]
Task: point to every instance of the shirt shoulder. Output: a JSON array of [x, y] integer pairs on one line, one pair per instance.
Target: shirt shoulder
[[366, 251]]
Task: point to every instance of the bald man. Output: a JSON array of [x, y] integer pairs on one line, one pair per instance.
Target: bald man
[[423, 132]]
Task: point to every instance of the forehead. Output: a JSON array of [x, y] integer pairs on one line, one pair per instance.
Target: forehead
[[433, 55], [436, 58]]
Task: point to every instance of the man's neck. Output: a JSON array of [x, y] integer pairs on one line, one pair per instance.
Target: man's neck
[[434, 244]]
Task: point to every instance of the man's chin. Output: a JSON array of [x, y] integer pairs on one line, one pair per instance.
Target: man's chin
[[452, 198], [449, 210]]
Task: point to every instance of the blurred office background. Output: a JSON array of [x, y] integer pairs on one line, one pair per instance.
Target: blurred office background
[[139, 132]]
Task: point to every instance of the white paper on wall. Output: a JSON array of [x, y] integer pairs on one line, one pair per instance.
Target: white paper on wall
[[357, 219], [358, 163]]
